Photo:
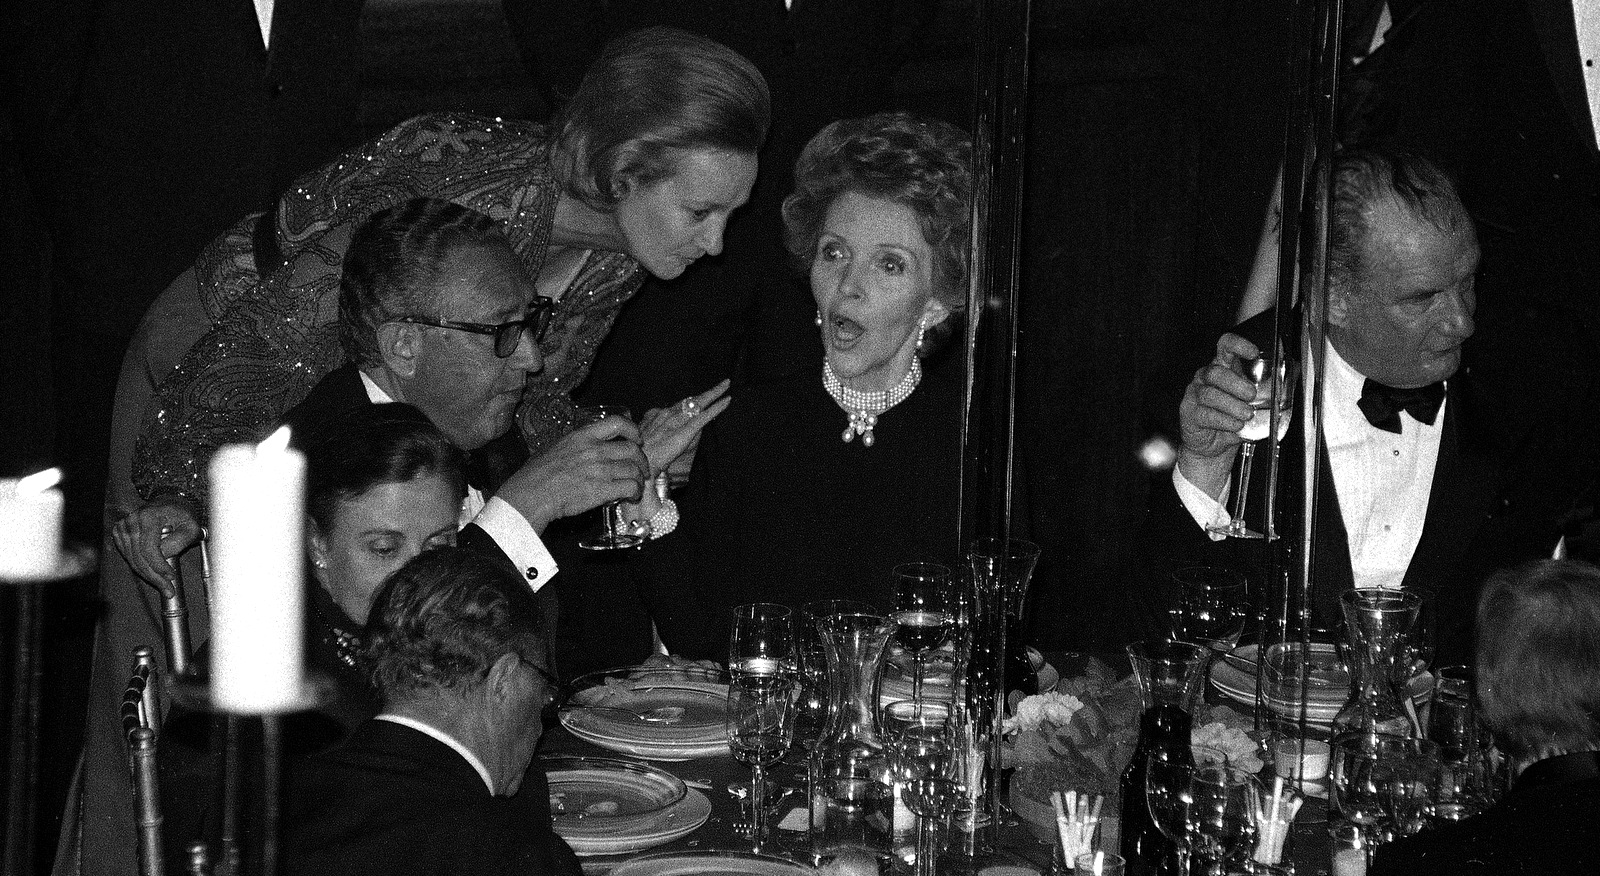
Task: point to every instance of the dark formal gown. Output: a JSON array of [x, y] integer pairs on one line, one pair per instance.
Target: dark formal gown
[[780, 509], [1545, 825], [393, 801]]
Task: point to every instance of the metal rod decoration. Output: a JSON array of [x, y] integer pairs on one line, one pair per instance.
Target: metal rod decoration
[[1310, 138], [175, 620], [142, 754], [1000, 79]]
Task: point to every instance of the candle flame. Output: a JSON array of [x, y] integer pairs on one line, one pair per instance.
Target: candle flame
[[38, 482], [1099, 863], [277, 442]]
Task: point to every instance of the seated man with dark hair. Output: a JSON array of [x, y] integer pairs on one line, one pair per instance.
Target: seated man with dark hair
[[1539, 692], [439, 783]]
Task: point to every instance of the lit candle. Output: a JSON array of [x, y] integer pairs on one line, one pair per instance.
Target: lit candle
[[30, 526], [257, 556]]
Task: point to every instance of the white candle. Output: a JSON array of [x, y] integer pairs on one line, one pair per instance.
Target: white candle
[[257, 556], [30, 526]]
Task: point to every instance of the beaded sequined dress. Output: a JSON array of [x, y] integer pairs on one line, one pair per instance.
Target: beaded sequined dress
[[272, 338]]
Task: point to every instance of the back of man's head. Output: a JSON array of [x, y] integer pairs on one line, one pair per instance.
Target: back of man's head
[[442, 620], [1362, 179], [1538, 650], [391, 263]]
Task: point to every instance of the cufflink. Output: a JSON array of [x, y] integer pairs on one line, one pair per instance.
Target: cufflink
[[533, 573]]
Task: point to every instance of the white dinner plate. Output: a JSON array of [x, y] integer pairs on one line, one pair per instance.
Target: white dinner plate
[[695, 712], [677, 820], [601, 795], [711, 864], [1327, 690]]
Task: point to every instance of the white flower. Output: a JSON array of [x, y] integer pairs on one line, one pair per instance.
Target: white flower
[[1034, 711], [1241, 750]]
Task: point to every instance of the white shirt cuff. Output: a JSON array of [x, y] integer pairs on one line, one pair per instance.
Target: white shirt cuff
[[1208, 513], [511, 531]]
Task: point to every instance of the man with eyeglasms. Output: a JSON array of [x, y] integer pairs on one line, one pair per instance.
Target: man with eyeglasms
[[440, 781], [1433, 474]]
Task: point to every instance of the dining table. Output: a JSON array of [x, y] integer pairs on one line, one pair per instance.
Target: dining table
[[1019, 851]]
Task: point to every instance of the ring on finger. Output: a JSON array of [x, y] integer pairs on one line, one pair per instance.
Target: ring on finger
[[690, 406]]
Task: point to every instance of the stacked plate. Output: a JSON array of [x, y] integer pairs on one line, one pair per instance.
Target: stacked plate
[[650, 713], [602, 806], [1327, 685], [897, 680], [710, 864]]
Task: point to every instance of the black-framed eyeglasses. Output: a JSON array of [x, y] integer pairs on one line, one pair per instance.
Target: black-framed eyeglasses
[[507, 335], [550, 709]]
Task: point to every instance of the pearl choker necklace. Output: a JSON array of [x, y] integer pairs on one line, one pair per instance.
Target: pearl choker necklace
[[864, 407]]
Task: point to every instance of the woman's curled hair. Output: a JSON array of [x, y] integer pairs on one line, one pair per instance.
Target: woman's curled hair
[[372, 445], [922, 164]]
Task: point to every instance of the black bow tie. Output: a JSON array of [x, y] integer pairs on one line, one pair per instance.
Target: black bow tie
[[1383, 404]]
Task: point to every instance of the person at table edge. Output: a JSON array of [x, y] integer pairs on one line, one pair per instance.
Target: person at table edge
[[439, 782], [1434, 473], [1538, 692]]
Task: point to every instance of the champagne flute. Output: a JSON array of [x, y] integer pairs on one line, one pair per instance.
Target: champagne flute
[[762, 668], [924, 615], [1274, 385], [614, 534]]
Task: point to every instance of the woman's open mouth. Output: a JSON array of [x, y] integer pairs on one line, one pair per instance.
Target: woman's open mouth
[[843, 331]]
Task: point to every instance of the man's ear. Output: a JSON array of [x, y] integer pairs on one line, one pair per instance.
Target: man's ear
[[1340, 293], [500, 686], [399, 343]]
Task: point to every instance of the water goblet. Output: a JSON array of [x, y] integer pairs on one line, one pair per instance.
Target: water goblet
[[1272, 405], [924, 615], [924, 757], [614, 534], [1211, 606], [762, 669]]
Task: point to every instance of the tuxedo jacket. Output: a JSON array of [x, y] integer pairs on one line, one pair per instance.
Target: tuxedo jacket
[[1544, 825], [341, 392], [1509, 470], [393, 801]]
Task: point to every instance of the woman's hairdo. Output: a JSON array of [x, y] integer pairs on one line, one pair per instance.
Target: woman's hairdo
[[922, 164], [392, 261], [1538, 649], [652, 93], [372, 445], [442, 620]]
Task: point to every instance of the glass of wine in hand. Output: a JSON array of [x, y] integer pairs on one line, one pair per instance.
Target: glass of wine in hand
[[924, 613], [614, 534], [762, 686], [1274, 383]]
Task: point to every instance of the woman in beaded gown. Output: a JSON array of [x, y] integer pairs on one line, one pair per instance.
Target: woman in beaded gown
[[816, 487], [383, 484], [639, 173]]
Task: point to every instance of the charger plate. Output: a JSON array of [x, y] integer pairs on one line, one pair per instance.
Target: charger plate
[[1327, 688], [634, 835], [599, 795], [694, 701], [711, 864]]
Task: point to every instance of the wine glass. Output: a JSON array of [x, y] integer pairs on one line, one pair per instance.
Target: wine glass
[[1211, 606], [924, 615], [925, 759], [1371, 787], [1273, 400], [1204, 809], [762, 669], [614, 534]]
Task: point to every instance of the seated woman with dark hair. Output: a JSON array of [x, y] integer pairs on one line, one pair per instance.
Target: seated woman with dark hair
[[382, 486], [1538, 671], [816, 487]]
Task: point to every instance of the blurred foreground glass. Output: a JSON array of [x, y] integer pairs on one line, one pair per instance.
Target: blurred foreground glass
[[1206, 811], [851, 798], [1168, 674], [1382, 785], [925, 758]]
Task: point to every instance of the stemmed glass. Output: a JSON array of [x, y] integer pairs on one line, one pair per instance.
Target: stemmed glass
[[925, 758], [1211, 606], [1279, 388], [925, 613], [614, 534], [1381, 784], [1205, 810], [762, 669]]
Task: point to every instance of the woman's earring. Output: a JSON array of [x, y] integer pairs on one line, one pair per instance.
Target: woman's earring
[[922, 329], [819, 319]]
